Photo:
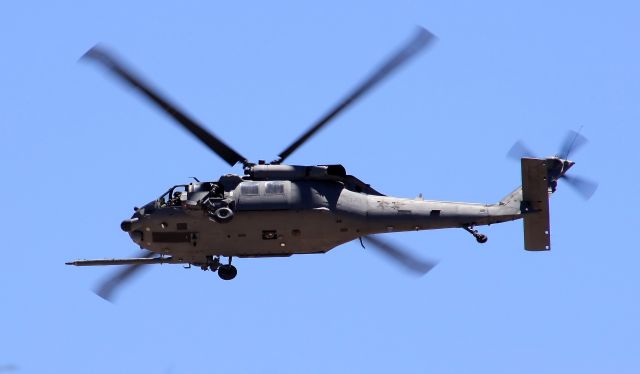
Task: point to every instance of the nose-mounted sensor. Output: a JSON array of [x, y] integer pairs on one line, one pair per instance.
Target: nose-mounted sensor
[[127, 224]]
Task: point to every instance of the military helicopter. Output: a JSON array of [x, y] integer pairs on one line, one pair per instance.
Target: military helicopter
[[277, 210]]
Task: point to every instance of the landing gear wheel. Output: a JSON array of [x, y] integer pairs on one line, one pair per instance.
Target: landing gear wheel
[[223, 215], [227, 272], [480, 238]]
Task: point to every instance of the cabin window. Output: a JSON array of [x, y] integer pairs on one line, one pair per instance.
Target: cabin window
[[249, 189], [274, 188]]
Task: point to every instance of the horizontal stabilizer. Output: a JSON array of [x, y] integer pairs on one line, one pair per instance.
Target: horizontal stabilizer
[[535, 204]]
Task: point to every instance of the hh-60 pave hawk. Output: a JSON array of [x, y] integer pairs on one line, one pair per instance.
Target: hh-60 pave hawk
[[280, 210]]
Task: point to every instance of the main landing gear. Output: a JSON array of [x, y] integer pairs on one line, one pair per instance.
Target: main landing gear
[[480, 238], [226, 272]]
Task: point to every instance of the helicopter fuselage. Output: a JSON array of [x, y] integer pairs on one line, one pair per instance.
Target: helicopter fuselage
[[285, 217]]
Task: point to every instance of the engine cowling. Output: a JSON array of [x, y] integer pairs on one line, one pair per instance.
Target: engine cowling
[[296, 172]]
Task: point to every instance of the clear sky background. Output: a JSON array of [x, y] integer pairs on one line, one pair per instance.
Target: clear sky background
[[79, 150]]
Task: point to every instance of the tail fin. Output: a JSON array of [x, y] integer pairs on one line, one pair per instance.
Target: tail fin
[[535, 204], [531, 201]]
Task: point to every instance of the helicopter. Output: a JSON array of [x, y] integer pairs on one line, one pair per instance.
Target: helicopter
[[278, 210]]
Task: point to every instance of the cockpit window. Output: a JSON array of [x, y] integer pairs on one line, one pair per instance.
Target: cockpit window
[[272, 188], [249, 189], [173, 197]]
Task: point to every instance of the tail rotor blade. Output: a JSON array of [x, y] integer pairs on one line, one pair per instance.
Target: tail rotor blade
[[520, 150], [586, 188], [119, 278], [415, 45], [209, 139], [401, 256], [573, 141]]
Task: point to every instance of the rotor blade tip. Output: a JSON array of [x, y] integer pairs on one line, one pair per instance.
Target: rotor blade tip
[[415, 265], [92, 52], [106, 296], [425, 268], [589, 192], [425, 34]]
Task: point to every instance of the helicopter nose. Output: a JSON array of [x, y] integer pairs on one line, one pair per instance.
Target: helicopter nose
[[127, 224]]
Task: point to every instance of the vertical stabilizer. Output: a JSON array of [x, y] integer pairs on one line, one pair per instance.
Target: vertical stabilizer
[[535, 204]]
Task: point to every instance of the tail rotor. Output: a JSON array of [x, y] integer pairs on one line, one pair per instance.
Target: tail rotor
[[572, 142]]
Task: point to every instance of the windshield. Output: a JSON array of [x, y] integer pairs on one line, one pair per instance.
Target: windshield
[[189, 194], [173, 196]]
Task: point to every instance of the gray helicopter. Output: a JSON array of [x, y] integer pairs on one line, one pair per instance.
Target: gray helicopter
[[277, 210]]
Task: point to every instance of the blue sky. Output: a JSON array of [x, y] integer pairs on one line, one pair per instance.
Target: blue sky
[[79, 150]]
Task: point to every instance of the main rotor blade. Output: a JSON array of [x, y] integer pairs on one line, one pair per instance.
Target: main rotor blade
[[417, 43], [401, 256], [572, 142], [119, 278], [208, 138], [519, 150], [586, 188]]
